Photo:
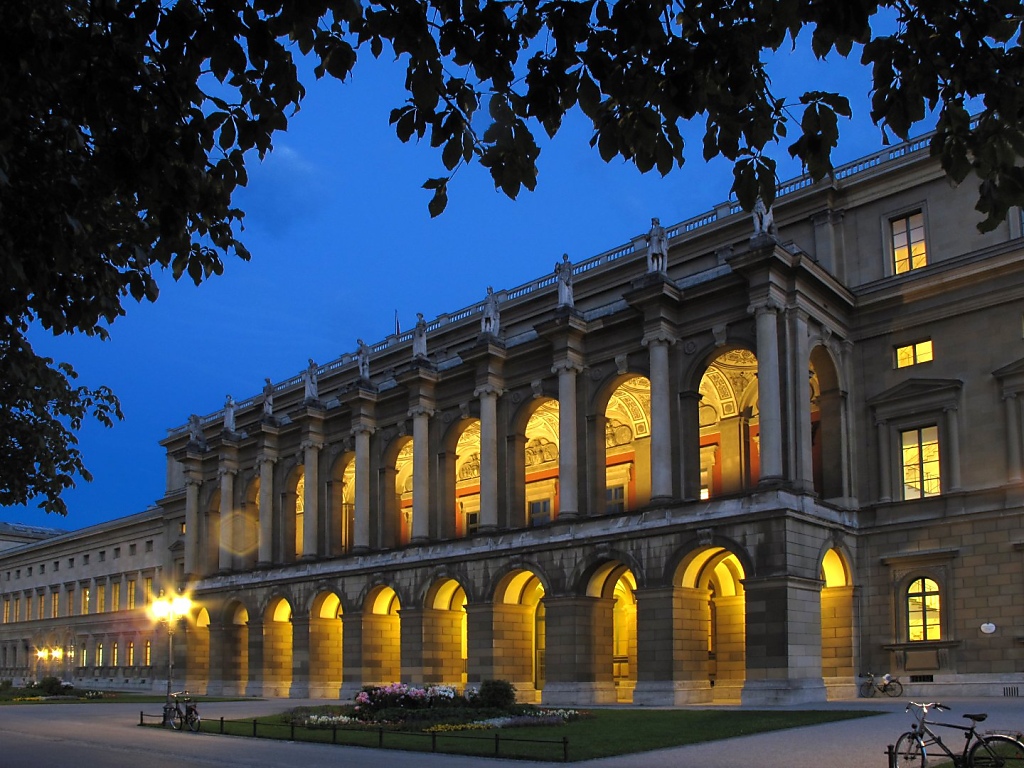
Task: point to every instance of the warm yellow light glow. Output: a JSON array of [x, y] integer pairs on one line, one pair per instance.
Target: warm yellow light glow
[[170, 609], [43, 654], [57, 653]]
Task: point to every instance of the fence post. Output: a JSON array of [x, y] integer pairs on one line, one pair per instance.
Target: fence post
[[291, 733], [140, 717], [380, 737], [497, 744], [334, 734], [890, 751], [254, 726], [222, 725], [433, 741], [565, 749]]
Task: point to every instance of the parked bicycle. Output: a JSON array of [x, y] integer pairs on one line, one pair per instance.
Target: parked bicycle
[[889, 685], [980, 751], [177, 718]]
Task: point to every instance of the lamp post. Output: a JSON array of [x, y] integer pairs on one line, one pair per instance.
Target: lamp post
[[168, 611]]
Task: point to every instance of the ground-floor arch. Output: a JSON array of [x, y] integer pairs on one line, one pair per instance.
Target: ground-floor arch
[[325, 646], [837, 624]]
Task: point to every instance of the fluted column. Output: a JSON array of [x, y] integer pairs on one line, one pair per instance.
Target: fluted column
[[1013, 436], [227, 504], [884, 463], [420, 472], [488, 395], [804, 475], [661, 419], [953, 429], [361, 534], [192, 526], [311, 498], [266, 546], [568, 473], [768, 391]]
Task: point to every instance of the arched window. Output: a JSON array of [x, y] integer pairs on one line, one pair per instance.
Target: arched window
[[924, 612]]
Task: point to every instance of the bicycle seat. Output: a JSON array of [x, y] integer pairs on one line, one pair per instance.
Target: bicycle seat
[[978, 718]]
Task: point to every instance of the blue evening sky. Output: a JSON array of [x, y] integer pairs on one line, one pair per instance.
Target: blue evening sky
[[341, 238]]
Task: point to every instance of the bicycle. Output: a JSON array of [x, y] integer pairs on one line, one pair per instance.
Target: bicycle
[[178, 719], [989, 751], [890, 686]]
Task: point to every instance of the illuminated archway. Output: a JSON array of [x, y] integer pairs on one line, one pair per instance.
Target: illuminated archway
[[245, 528], [401, 522], [197, 653], [713, 597], [467, 479], [382, 637], [234, 653], [616, 582], [520, 635], [325, 646], [292, 515], [729, 424], [341, 493], [540, 460], [277, 648], [445, 644], [827, 426], [837, 630], [627, 445]]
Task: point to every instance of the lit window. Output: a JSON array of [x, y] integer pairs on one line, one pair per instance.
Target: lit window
[[147, 584], [921, 476], [115, 596], [615, 499], [7, 611], [908, 248], [148, 653], [54, 604], [42, 605], [101, 598], [85, 600], [131, 594], [923, 611], [912, 354], [113, 654], [99, 654], [131, 653], [17, 609]]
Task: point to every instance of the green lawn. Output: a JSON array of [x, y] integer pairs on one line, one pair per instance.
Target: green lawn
[[606, 732]]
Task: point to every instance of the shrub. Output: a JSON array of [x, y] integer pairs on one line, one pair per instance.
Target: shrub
[[6, 685], [51, 686], [497, 694]]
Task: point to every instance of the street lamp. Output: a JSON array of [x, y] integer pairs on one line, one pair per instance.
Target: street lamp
[[168, 611]]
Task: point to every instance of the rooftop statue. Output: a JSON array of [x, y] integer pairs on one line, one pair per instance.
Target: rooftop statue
[[657, 248], [563, 271], [491, 320]]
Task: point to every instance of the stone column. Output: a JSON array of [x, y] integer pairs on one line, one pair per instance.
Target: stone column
[[480, 643], [361, 534], [884, 462], [266, 547], [768, 391], [225, 555], [311, 499], [488, 395], [420, 472], [192, 485], [672, 647], [1013, 436], [300, 657], [352, 656], [804, 474], [412, 644], [661, 419], [953, 429], [579, 651], [783, 641], [568, 471]]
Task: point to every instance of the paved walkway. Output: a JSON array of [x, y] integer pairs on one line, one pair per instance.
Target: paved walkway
[[857, 743]]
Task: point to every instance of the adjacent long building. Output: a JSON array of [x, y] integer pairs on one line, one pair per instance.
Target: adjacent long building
[[730, 461]]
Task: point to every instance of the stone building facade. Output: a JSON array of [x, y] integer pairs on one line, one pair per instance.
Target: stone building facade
[[702, 467]]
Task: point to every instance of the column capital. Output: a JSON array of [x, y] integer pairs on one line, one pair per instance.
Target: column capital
[[488, 390], [420, 410], [658, 338], [267, 458], [567, 366], [226, 470], [1009, 395], [363, 429], [309, 443], [764, 306], [191, 482]]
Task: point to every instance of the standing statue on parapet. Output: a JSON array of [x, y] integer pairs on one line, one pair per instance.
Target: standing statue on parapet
[[657, 248], [363, 358], [195, 429], [563, 272], [268, 398], [490, 322], [229, 414], [309, 382], [419, 337], [764, 220]]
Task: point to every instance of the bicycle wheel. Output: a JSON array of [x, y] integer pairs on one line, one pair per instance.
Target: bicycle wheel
[[176, 719], [995, 752], [194, 722], [909, 752], [893, 688], [867, 689]]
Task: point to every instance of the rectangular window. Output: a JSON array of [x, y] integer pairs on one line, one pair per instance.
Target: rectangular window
[[148, 653], [912, 354], [54, 604], [28, 608], [30, 570], [7, 611], [42, 568], [921, 475], [41, 605], [908, 247], [615, 499], [99, 654], [131, 594], [131, 653], [70, 603], [147, 585], [71, 562], [103, 556], [149, 545], [113, 654], [17, 609], [85, 656], [85, 559], [131, 549], [540, 512], [85, 601], [117, 553], [115, 596], [101, 598], [56, 565]]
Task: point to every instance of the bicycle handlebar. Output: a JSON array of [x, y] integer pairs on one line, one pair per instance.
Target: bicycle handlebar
[[925, 707]]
